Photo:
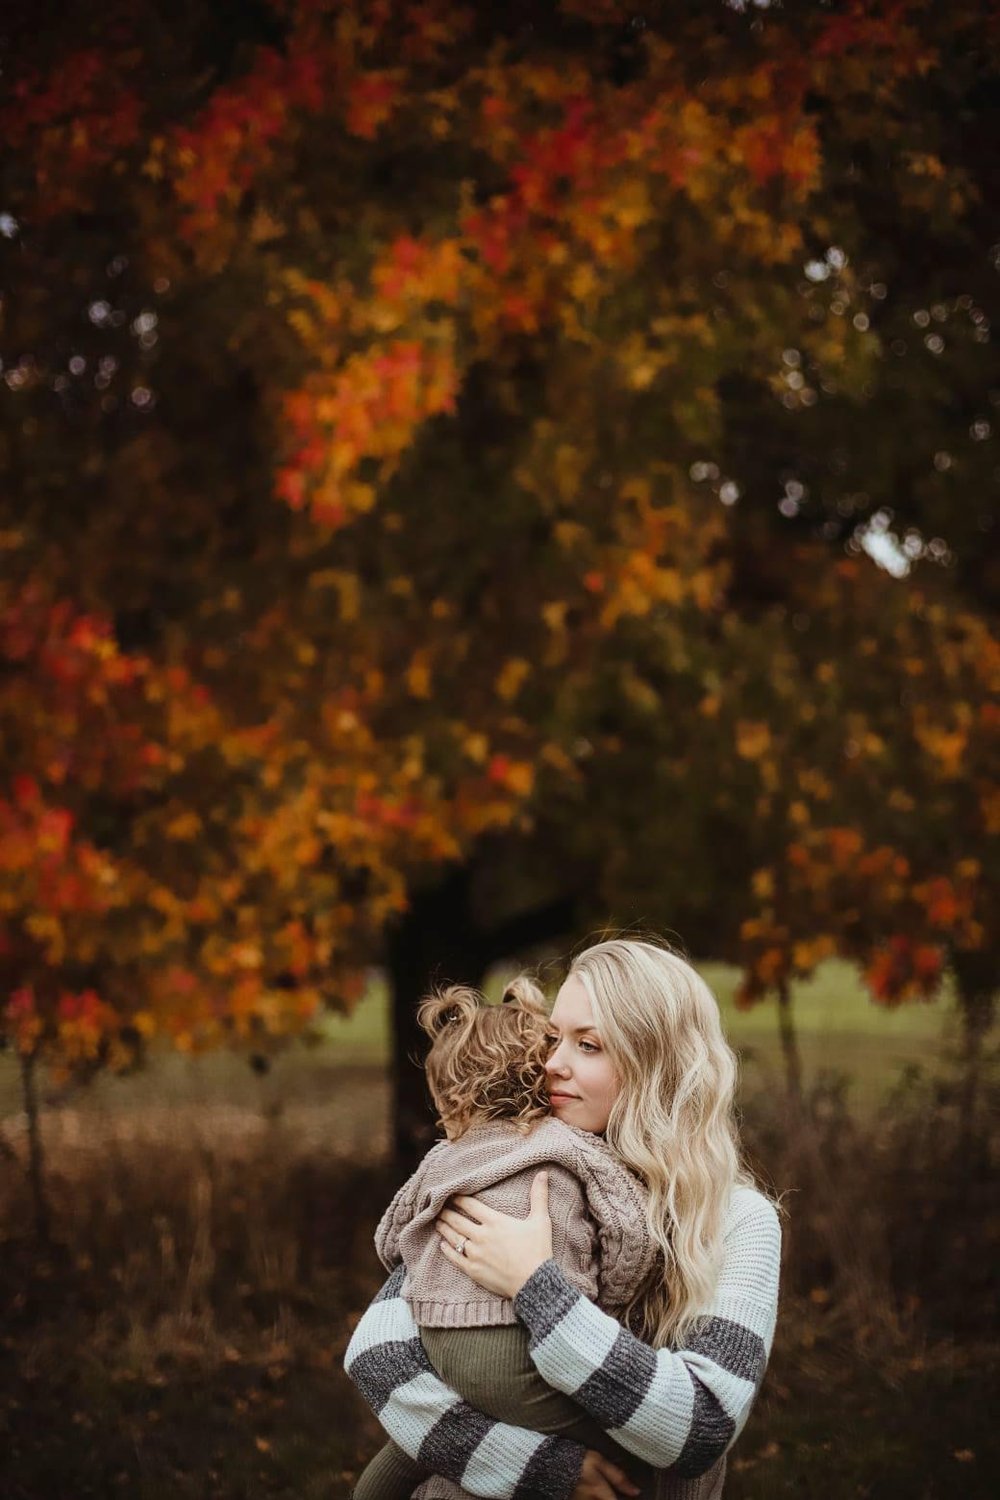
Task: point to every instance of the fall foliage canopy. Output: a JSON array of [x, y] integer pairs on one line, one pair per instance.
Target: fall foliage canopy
[[427, 427]]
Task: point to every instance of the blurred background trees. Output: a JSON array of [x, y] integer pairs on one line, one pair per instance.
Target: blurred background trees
[[473, 475]]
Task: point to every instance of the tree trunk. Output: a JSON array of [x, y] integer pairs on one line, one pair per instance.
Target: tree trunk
[[433, 944], [439, 941], [976, 977], [789, 1044], [36, 1158]]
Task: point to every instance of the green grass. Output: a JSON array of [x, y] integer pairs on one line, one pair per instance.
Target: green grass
[[840, 1030]]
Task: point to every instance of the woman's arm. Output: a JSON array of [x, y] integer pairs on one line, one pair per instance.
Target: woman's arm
[[678, 1409], [387, 1362]]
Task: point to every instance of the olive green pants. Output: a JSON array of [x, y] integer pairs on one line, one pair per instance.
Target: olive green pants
[[491, 1368]]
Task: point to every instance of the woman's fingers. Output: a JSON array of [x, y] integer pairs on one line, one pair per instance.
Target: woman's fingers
[[481, 1212], [539, 1200], [450, 1253], [452, 1220]]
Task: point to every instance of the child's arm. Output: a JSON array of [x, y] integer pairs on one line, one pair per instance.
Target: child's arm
[[399, 1213]]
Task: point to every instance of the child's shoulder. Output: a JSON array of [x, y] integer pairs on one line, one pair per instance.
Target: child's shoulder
[[506, 1138], [581, 1150], [488, 1135]]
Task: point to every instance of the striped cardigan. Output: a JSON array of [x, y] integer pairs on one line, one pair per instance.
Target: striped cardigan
[[678, 1409]]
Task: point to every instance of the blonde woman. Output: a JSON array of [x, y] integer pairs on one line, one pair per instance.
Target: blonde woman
[[637, 1055]]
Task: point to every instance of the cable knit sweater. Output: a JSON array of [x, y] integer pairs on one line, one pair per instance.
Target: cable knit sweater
[[597, 1207], [678, 1409]]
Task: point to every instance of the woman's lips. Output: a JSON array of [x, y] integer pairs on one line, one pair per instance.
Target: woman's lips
[[555, 1096]]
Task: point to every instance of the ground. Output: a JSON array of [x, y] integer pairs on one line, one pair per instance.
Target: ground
[[184, 1334]]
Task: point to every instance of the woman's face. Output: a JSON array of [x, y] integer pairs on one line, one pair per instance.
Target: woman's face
[[581, 1080]]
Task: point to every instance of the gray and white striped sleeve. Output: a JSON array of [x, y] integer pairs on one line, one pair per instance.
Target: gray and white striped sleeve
[[387, 1362], [678, 1409]]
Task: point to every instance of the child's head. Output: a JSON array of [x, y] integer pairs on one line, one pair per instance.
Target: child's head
[[487, 1062]]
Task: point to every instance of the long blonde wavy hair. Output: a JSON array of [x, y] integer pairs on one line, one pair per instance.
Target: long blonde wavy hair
[[673, 1120]]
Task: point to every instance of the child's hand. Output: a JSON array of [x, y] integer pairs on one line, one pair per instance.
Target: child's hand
[[498, 1251]]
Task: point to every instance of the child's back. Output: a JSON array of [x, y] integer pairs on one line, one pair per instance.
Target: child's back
[[486, 1072], [597, 1209]]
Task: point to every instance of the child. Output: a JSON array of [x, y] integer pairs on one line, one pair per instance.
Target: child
[[486, 1072]]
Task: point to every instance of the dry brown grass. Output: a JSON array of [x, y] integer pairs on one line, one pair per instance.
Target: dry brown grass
[[184, 1333]]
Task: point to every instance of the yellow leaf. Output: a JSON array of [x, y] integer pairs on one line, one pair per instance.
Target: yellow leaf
[[568, 533], [476, 747], [520, 776], [264, 227], [360, 497], [418, 676], [556, 757], [511, 676], [187, 825], [752, 739]]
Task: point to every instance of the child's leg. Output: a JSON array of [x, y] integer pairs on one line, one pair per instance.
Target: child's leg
[[391, 1475], [492, 1369]]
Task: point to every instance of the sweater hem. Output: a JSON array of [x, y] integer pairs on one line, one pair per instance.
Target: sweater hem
[[430, 1313]]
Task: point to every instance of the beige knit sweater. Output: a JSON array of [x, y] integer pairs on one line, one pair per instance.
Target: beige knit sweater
[[597, 1207]]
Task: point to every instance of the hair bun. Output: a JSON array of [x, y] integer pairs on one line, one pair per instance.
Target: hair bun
[[446, 1007], [524, 992]]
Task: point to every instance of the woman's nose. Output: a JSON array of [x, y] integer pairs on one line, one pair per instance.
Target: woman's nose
[[554, 1064]]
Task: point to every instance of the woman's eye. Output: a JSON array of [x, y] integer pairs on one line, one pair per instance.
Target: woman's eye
[[551, 1040], [589, 1047]]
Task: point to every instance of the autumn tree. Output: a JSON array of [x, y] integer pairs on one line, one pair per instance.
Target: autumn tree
[[466, 406]]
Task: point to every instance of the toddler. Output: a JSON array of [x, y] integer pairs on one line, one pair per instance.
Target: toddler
[[486, 1072]]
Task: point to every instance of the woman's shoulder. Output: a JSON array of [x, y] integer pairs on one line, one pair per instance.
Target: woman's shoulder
[[751, 1213]]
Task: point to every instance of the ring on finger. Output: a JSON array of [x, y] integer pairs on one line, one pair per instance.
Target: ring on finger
[[460, 1244]]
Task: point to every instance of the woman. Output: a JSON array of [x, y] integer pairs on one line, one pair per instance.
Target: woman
[[638, 1055]]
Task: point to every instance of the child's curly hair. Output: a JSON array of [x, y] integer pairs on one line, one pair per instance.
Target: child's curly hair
[[487, 1062]]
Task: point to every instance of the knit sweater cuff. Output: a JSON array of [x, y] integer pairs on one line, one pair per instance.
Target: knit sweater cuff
[[543, 1300], [554, 1469]]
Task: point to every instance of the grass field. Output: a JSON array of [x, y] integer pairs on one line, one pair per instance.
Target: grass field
[[840, 1029], [213, 1227], [841, 1032]]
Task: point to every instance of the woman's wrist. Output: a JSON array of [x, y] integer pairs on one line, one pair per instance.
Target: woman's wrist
[[543, 1298], [522, 1274]]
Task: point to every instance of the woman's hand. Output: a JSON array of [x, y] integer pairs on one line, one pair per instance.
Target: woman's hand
[[600, 1479], [499, 1251]]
